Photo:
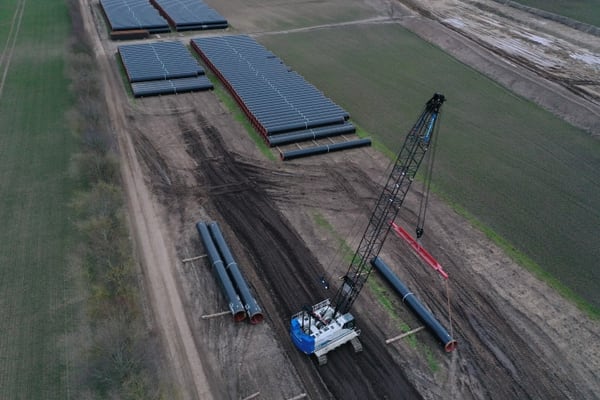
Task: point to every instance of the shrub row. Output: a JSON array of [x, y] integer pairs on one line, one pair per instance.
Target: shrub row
[[119, 358]]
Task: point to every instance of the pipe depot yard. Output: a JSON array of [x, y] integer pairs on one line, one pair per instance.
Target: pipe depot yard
[[189, 158]]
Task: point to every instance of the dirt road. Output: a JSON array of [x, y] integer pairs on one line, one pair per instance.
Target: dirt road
[[186, 159]]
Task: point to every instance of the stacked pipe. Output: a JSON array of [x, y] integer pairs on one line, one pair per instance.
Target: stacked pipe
[[186, 15], [252, 308], [229, 274], [323, 149], [235, 305], [311, 134], [409, 298], [275, 99]]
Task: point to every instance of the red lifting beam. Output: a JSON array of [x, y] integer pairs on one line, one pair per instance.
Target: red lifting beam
[[419, 249]]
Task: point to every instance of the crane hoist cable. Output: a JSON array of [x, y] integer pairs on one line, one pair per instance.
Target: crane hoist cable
[[420, 230], [449, 308]]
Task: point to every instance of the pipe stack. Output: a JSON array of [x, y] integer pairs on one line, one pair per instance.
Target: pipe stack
[[252, 308], [235, 305], [229, 274], [323, 149]]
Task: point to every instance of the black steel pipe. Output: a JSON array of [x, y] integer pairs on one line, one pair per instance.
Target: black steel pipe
[[409, 298], [252, 307], [235, 305], [327, 148], [311, 134]]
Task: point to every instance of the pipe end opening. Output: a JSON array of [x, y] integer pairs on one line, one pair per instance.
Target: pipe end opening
[[239, 316], [450, 346], [256, 318]]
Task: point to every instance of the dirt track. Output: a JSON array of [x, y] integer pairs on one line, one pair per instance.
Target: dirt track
[[186, 159]]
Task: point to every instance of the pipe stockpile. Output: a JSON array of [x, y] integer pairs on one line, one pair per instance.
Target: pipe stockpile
[[409, 298], [327, 148], [252, 308], [275, 98], [124, 15], [235, 305], [158, 61], [185, 15], [311, 134], [171, 86]]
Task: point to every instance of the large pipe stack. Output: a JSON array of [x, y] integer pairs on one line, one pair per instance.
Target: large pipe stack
[[276, 100], [252, 308], [409, 298], [235, 305]]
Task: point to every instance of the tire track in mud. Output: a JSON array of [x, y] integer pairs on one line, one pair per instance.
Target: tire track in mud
[[495, 355], [287, 271]]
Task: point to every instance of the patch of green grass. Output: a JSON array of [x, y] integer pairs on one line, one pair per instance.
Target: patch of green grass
[[274, 15], [39, 298], [432, 361], [240, 117], [520, 171], [7, 12], [587, 11], [529, 264], [344, 249]]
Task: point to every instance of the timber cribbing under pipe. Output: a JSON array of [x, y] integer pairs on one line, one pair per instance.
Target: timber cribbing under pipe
[[409, 298], [252, 308], [235, 305]]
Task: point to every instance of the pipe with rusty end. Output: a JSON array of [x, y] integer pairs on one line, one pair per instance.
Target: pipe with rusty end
[[235, 305], [409, 298], [252, 307]]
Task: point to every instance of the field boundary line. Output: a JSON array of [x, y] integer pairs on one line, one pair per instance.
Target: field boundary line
[[373, 20], [9, 47]]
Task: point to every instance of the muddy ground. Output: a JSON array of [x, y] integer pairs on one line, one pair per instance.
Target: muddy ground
[[186, 159]]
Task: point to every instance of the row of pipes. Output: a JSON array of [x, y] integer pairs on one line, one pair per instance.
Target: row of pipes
[[279, 103], [228, 274], [190, 15], [323, 149]]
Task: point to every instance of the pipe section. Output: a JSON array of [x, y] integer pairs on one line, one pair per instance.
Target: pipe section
[[252, 308], [327, 148], [409, 298], [311, 134], [235, 305]]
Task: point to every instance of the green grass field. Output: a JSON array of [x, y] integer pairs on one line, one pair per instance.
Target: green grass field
[[36, 289], [527, 175], [273, 15], [587, 11]]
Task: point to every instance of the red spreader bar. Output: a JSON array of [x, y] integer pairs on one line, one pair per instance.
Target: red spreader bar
[[428, 258]]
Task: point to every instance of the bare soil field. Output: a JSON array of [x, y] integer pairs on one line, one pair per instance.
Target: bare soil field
[[185, 159]]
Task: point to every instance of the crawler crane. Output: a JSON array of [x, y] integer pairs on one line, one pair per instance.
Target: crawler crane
[[329, 324]]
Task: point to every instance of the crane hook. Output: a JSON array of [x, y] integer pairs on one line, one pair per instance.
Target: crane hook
[[420, 232]]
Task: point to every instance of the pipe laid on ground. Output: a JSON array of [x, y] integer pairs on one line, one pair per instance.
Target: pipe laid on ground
[[311, 134], [235, 305], [409, 298], [252, 308], [327, 148]]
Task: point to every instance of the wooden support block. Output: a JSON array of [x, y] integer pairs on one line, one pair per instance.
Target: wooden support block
[[405, 334]]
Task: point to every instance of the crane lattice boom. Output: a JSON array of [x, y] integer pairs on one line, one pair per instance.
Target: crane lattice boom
[[329, 324], [390, 200]]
